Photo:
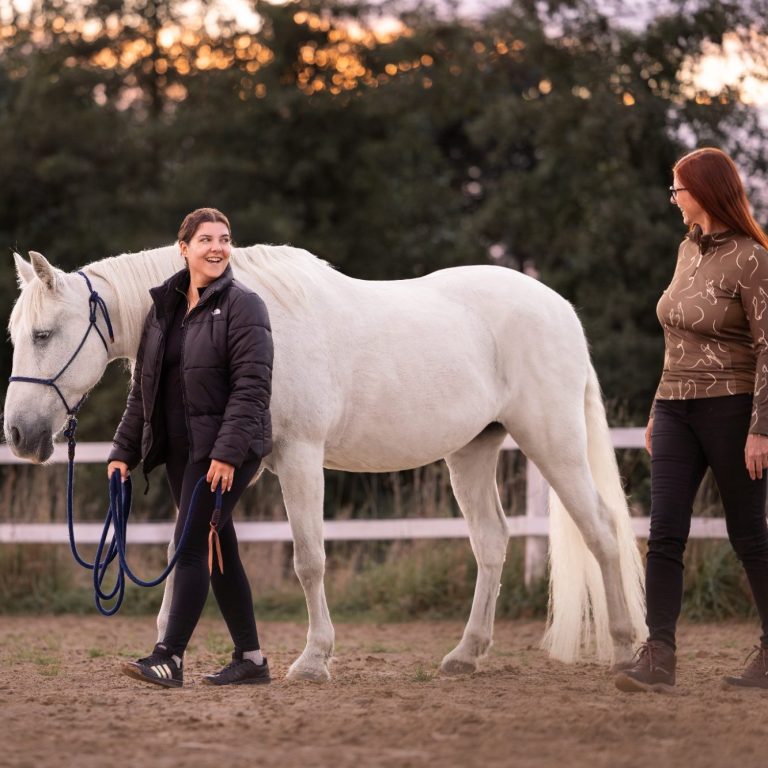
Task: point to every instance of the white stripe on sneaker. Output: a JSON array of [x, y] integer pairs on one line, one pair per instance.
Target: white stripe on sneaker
[[160, 670]]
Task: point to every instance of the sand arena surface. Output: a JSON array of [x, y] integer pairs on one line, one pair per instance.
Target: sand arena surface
[[64, 702]]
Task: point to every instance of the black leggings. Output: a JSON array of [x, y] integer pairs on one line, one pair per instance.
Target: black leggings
[[191, 577], [689, 436]]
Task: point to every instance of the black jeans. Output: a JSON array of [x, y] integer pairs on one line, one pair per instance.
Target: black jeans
[[689, 436], [191, 577]]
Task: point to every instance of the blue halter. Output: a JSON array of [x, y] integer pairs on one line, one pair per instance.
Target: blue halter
[[95, 303]]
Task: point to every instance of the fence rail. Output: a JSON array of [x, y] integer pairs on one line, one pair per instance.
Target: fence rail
[[335, 530], [534, 525]]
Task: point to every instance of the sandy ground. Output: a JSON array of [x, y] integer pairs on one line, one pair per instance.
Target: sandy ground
[[64, 702]]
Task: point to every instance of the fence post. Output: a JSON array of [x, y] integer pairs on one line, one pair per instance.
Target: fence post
[[536, 505]]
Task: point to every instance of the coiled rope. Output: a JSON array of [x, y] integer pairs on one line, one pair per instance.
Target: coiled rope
[[120, 494]]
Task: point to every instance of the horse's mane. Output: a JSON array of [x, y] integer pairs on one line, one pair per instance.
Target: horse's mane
[[27, 308], [284, 271], [131, 275]]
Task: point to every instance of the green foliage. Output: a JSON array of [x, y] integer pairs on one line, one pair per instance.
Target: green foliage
[[418, 580], [716, 586], [389, 157], [435, 580], [431, 581]]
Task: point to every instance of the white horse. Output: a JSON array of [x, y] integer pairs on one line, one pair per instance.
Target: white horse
[[378, 377]]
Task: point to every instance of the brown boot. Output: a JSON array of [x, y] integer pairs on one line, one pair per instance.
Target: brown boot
[[653, 671], [755, 674]]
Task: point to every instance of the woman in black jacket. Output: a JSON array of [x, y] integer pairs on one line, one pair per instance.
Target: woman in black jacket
[[199, 403]]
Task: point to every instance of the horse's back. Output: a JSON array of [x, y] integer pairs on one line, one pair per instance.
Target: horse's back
[[407, 371], [521, 319]]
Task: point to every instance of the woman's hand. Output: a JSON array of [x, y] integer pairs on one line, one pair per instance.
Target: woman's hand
[[121, 466], [220, 472], [756, 455], [648, 435]]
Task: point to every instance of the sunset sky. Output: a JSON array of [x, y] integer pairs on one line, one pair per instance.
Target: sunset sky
[[721, 66]]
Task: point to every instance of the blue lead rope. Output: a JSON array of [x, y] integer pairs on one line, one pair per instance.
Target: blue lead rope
[[120, 494], [117, 518]]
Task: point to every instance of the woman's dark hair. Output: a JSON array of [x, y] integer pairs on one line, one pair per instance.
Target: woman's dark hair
[[200, 216], [712, 178]]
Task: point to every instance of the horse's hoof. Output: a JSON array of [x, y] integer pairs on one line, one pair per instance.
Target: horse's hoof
[[313, 674], [458, 667], [622, 666]]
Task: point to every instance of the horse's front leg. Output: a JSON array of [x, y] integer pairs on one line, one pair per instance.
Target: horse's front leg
[[300, 470], [165, 607]]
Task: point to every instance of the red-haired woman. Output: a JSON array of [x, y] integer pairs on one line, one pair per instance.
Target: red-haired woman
[[711, 406]]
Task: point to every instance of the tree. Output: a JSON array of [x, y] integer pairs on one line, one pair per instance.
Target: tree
[[541, 140]]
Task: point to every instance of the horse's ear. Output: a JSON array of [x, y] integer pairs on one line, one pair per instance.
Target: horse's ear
[[44, 270], [24, 271]]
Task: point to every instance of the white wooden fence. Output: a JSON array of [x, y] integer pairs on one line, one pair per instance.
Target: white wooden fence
[[534, 525]]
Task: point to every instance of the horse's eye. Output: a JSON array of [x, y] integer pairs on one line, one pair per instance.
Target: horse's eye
[[41, 335]]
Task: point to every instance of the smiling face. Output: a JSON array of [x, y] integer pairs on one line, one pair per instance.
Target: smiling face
[[207, 252], [692, 212]]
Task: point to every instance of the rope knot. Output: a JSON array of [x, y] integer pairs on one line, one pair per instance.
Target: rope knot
[[214, 542], [69, 430], [69, 433], [213, 535]]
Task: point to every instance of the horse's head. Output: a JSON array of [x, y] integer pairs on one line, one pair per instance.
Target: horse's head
[[49, 321]]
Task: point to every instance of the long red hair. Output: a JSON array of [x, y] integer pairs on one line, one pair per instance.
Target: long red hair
[[713, 180]]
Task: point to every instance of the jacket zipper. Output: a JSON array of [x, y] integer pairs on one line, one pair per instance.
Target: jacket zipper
[[183, 389]]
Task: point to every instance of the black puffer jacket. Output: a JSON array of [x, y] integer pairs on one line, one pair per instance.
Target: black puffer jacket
[[226, 372]]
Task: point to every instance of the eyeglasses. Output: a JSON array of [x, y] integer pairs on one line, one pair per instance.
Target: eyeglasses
[[674, 190]]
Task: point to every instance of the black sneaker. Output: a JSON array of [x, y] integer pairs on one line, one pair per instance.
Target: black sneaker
[[160, 668], [240, 671]]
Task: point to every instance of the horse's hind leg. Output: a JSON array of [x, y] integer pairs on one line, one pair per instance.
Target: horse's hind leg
[[571, 480], [473, 478], [564, 465], [300, 470]]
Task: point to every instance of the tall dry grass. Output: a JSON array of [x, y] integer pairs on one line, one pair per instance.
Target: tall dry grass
[[385, 580]]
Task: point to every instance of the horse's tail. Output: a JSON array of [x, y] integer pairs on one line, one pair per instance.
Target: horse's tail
[[577, 593]]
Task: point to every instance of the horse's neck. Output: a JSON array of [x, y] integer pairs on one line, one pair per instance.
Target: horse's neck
[[288, 279], [125, 283]]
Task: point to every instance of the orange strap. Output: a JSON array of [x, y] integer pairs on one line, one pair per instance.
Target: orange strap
[[213, 535]]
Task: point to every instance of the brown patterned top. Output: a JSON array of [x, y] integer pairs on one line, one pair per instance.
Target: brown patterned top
[[715, 319]]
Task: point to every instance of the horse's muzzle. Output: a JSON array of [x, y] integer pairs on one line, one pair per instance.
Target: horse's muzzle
[[34, 444]]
